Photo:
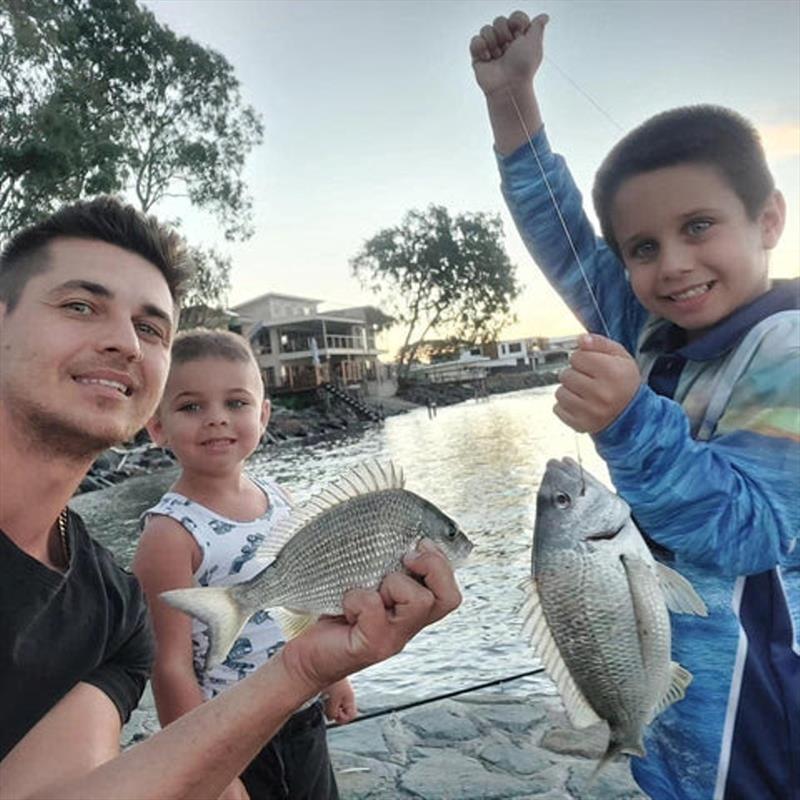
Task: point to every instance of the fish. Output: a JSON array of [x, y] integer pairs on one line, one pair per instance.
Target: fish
[[597, 609], [350, 535]]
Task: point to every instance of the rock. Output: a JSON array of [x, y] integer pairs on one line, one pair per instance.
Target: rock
[[450, 775], [613, 781], [510, 758], [587, 742], [358, 777], [515, 717], [441, 724]]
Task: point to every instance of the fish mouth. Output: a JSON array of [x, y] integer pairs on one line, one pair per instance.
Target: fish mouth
[[604, 535]]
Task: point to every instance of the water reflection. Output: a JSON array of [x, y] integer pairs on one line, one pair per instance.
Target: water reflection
[[482, 463]]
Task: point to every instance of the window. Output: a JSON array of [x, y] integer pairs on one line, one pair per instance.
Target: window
[[515, 347]]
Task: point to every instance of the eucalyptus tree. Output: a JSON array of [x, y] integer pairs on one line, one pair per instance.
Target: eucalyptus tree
[[440, 276], [98, 96]]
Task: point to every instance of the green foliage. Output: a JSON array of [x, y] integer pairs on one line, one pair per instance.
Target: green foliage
[[206, 291], [440, 273], [97, 96]]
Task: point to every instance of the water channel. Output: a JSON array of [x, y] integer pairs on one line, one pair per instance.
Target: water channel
[[481, 462]]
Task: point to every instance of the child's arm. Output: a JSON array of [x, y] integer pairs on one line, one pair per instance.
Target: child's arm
[[729, 503], [506, 56], [340, 702], [167, 558]]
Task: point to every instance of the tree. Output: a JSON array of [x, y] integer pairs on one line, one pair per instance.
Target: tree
[[441, 274], [97, 96]]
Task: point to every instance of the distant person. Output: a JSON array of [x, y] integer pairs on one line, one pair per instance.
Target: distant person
[[88, 309], [206, 531], [699, 427]]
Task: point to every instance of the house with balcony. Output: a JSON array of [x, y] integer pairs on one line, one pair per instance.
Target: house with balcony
[[298, 347]]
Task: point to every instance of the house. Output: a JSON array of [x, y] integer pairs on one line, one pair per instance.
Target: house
[[510, 355], [298, 347]]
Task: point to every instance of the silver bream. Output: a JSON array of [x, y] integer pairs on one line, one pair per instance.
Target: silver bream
[[597, 609], [351, 535]]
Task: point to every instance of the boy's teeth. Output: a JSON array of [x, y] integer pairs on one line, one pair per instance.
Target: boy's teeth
[[697, 290]]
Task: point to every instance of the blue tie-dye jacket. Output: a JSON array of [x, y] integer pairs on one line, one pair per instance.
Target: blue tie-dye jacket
[[707, 454]]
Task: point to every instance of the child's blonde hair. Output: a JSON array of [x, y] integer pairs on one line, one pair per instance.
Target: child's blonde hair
[[200, 343]]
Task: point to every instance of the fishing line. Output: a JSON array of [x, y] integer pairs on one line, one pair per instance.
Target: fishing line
[[559, 214], [413, 704], [585, 94]]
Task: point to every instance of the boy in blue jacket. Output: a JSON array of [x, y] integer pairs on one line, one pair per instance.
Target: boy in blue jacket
[[692, 396]]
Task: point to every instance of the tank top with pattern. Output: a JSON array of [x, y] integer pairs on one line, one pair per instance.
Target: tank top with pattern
[[229, 556]]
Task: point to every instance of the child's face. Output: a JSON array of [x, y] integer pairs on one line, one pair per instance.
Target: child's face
[[692, 253], [212, 414]]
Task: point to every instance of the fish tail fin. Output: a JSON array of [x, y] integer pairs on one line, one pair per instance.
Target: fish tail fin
[[615, 747], [219, 609]]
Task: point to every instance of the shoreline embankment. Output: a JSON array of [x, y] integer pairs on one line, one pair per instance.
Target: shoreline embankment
[[313, 423]]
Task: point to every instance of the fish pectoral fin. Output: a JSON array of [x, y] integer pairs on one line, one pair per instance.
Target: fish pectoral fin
[[218, 609], [579, 712], [293, 622], [679, 594], [681, 678]]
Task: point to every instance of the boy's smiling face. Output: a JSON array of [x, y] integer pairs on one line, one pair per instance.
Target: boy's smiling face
[[692, 252], [212, 413]]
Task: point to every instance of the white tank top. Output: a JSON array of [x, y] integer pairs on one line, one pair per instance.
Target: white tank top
[[228, 549]]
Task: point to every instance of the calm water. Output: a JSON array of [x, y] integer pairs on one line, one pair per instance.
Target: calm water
[[482, 464]]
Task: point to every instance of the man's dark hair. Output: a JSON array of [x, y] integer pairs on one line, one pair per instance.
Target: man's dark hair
[[106, 219], [709, 135], [199, 343]]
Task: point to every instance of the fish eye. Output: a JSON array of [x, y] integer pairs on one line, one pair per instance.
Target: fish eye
[[562, 500], [451, 533]]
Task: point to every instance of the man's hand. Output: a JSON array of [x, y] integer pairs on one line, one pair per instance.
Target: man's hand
[[597, 386], [340, 702], [235, 790], [507, 53], [375, 625]]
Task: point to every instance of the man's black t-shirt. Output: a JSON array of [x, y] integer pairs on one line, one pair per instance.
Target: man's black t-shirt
[[90, 625]]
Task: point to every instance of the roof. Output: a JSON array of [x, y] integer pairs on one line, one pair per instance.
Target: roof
[[277, 295]]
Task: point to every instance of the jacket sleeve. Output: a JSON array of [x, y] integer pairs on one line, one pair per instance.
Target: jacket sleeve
[[529, 175], [731, 502]]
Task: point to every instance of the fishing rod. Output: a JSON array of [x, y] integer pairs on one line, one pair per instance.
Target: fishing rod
[[425, 700]]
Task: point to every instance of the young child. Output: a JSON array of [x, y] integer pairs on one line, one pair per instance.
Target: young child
[[700, 427], [206, 531]]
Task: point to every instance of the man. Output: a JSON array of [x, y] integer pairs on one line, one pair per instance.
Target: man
[[88, 308]]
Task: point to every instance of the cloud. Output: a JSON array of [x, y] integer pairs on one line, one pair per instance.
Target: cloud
[[782, 140]]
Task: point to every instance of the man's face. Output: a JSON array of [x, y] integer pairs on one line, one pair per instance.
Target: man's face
[[85, 352]]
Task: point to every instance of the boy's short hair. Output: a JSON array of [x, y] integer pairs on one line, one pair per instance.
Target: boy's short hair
[[702, 134], [106, 219], [199, 343]]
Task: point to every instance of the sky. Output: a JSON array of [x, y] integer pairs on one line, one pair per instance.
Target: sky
[[370, 109]]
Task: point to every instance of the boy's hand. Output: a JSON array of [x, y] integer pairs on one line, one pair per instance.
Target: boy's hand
[[507, 53], [597, 386], [340, 702], [375, 625]]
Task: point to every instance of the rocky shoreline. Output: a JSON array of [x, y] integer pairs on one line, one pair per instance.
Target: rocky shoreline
[[483, 745], [312, 423]]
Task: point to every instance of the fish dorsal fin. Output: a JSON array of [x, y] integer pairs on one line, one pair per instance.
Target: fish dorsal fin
[[679, 594], [681, 678], [368, 477], [580, 713]]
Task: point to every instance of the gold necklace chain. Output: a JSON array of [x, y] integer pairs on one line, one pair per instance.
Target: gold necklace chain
[[62, 530]]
